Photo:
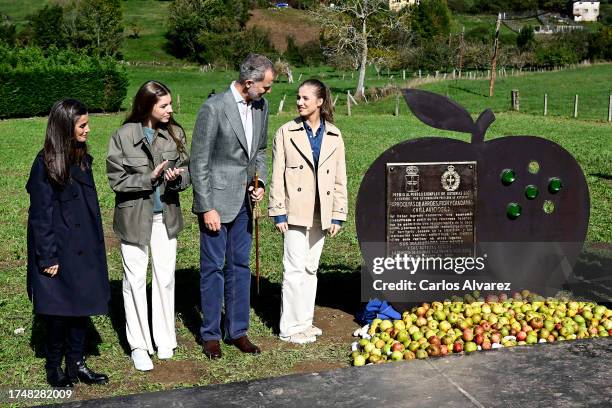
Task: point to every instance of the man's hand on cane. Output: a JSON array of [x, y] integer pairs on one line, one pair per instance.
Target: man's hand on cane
[[256, 195]]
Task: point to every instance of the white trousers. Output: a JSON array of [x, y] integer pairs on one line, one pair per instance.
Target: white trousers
[[135, 261], [302, 251]]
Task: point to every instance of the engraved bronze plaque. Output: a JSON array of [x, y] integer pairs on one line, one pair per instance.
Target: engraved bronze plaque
[[431, 208]]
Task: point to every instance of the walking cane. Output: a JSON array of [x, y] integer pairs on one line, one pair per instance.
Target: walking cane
[[256, 217]]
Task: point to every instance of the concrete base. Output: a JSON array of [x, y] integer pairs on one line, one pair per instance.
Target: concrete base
[[565, 374]]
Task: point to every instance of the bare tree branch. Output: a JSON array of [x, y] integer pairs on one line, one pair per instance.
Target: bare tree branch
[[348, 29]]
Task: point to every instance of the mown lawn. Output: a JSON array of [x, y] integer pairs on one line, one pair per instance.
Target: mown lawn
[[591, 83], [150, 17], [370, 131]]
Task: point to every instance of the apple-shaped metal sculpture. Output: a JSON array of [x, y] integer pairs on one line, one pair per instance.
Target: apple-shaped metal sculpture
[[531, 202]]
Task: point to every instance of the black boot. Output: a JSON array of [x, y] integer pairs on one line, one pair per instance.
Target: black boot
[[57, 378], [80, 372]]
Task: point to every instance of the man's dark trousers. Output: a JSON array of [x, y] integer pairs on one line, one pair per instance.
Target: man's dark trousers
[[225, 274]]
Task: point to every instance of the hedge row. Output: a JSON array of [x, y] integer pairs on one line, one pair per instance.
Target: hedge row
[[32, 81]]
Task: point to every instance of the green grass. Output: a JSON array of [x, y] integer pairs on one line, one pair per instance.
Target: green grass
[[470, 22], [151, 16], [370, 131], [591, 83], [19, 10]]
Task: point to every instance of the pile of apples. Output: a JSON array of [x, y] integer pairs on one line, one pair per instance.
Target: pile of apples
[[473, 323]]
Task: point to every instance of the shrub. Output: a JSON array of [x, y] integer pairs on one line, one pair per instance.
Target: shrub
[[460, 6], [600, 44], [213, 31], [480, 34], [309, 54], [47, 27], [8, 33], [31, 82], [563, 49], [94, 26], [431, 19], [555, 55], [525, 41]]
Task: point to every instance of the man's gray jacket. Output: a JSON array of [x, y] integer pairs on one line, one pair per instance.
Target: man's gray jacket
[[221, 168]]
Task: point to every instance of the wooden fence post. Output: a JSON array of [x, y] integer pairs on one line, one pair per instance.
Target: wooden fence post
[[610, 108], [281, 104], [576, 106], [545, 104], [348, 102], [514, 97], [404, 74], [178, 103], [397, 103], [336, 100]]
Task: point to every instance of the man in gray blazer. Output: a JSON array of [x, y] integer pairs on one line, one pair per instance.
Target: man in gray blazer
[[228, 147]]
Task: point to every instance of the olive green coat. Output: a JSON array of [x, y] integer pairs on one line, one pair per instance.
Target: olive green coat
[[129, 164]]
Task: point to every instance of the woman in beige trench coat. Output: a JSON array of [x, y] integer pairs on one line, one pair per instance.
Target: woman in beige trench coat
[[308, 197]]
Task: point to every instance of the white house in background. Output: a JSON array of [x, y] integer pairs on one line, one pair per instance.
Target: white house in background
[[586, 10], [397, 5]]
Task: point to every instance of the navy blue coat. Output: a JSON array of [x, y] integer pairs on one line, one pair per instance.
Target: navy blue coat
[[65, 228]]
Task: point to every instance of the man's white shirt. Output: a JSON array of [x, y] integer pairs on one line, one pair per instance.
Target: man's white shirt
[[246, 115]]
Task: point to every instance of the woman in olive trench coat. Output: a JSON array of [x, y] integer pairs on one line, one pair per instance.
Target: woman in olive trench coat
[[67, 273]]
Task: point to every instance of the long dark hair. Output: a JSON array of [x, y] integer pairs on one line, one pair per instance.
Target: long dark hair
[[323, 92], [144, 101], [61, 148]]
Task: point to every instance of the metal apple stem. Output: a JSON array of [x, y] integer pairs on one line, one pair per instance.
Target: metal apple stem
[[483, 122]]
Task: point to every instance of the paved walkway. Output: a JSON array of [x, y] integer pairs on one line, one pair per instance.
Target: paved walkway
[[566, 374]]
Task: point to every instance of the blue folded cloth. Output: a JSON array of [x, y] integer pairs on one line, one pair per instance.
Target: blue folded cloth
[[376, 308]]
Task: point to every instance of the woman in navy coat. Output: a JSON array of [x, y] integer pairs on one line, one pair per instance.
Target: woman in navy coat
[[67, 271]]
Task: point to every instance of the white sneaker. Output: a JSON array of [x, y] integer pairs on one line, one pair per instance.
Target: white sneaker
[[313, 331], [141, 359], [164, 353], [299, 338]]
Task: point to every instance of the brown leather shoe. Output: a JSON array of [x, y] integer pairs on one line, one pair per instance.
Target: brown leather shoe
[[244, 344], [212, 349]]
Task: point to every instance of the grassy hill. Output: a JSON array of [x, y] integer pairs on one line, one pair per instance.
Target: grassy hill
[[20, 9], [282, 23], [150, 17]]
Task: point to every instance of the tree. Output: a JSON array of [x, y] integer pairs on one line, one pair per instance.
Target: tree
[[99, 26], [292, 55], [213, 31], [187, 19], [94, 26], [8, 33], [600, 44], [431, 19], [525, 41], [349, 30], [560, 6], [47, 27], [520, 59]]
